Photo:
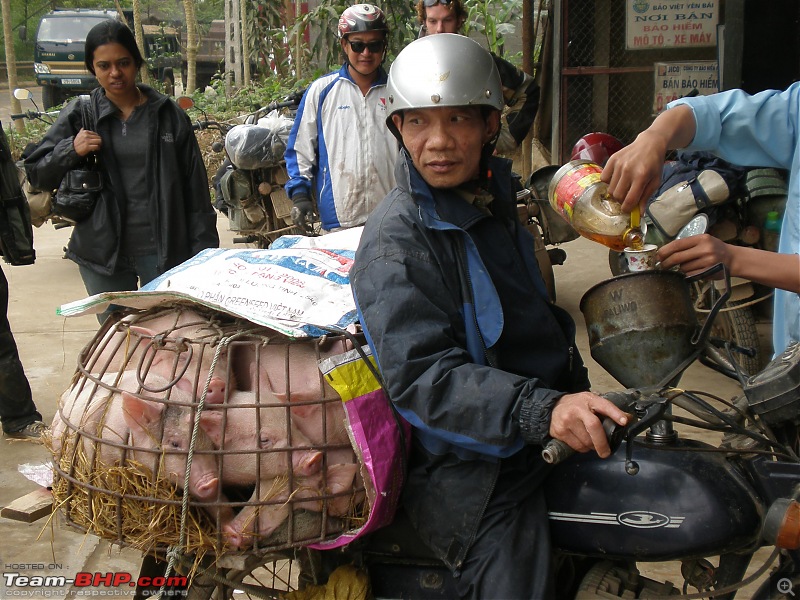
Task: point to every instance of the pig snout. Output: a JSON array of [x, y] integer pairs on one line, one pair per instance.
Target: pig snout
[[216, 391], [233, 536]]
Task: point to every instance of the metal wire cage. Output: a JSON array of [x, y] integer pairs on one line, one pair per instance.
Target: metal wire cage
[[187, 428]]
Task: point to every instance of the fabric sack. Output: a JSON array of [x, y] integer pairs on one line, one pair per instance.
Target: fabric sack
[[80, 188], [380, 437], [16, 232], [39, 202]]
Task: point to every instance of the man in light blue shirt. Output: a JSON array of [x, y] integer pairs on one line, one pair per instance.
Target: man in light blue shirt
[[760, 130]]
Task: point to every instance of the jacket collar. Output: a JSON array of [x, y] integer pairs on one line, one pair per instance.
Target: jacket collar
[[448, 208], [106, 108], [381, 80]]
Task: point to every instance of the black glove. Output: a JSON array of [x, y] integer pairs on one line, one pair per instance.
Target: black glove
[[302, 212]]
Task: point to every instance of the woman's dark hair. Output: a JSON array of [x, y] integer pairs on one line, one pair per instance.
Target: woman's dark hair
[[108, 32]]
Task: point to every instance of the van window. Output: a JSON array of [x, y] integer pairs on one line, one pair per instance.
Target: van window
[[66, 29]]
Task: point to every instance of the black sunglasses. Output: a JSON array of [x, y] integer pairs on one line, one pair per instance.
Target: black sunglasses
[[374, 47], [429, 3]]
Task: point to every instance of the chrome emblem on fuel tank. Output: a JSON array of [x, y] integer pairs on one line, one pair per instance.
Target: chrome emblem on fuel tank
[[643, 520], [639, 519]]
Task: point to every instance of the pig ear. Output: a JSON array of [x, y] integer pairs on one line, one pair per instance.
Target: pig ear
[[211, 423], [308, 462], [138, 412]]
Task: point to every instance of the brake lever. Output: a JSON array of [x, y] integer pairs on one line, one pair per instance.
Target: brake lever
[[649, 409]]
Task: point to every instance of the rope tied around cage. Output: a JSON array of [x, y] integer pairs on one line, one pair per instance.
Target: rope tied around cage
[[176, 552]]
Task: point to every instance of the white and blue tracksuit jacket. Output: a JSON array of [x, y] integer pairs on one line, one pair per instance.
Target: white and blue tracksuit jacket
[[340, 149]]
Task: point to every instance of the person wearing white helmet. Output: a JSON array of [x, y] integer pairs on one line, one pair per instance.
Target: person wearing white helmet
[[339, 151], [473, 354]]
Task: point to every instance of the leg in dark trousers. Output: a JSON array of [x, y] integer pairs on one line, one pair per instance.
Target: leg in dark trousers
[[510, 558], [17, 409]]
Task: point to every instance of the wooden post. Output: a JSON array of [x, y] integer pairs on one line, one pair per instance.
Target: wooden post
[[527, 65], [11, 62], [245, 43]]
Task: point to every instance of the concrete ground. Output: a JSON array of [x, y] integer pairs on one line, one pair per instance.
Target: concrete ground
[[49, 346]]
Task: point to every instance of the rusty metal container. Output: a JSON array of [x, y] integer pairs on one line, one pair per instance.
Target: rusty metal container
[[641, 325]]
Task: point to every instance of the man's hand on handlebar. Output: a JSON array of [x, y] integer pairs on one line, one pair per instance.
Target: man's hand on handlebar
[[577, 421]]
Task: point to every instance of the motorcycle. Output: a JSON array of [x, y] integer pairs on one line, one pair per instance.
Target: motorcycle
[[661, 496], [249, 183], [547, 228]]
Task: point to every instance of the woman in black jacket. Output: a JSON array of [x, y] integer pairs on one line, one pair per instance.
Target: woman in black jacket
[[155, 210]]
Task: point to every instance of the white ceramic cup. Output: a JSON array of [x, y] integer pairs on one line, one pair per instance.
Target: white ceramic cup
[[643, 259]]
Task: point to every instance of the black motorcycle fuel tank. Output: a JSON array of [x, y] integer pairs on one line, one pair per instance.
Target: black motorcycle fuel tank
[[682, 503]]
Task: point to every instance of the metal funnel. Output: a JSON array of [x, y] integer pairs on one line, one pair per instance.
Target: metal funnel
[[641, 326]]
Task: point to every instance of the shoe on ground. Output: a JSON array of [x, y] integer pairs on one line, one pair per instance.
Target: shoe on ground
[[31, 431]]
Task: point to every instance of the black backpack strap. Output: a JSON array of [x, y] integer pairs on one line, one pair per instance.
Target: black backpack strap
[[87, 112]]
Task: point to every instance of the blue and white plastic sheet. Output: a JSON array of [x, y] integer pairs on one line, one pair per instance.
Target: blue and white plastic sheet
[[298, 287]]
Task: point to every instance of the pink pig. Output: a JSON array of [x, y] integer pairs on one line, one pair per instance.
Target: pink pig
[[332, 488], [259, 439], [316, 408], [174, 343], [129, 427]]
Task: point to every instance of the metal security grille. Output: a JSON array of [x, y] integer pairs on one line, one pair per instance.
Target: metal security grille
[[605, 87]]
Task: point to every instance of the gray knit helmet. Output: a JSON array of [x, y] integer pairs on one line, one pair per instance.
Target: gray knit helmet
[[445, 69]]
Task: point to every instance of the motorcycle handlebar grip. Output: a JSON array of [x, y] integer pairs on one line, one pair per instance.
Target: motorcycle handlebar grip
[[18, 116], [556, 451]]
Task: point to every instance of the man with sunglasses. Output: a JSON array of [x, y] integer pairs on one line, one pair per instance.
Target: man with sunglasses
[[520, 91], [339, 149]]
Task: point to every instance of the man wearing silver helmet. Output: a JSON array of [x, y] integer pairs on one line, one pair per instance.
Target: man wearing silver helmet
[[339, 150], [473, 355]]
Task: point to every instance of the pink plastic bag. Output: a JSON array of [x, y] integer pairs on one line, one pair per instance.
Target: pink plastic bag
[[379, 435]]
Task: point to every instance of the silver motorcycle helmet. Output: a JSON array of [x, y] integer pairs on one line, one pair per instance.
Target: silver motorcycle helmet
[[446, 69]]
